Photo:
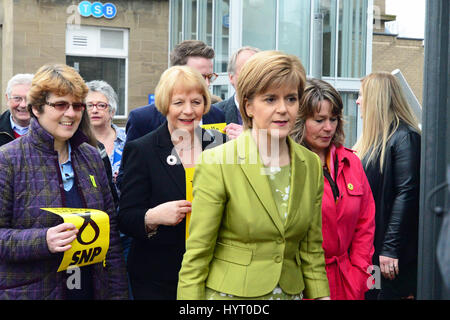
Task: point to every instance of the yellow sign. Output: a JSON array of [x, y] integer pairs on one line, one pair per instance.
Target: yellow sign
[[215, 126], [92, 241], [350, 186], [189, 195]]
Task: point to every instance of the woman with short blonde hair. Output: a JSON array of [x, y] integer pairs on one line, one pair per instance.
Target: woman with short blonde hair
[[275, 72], [255, 230], [390, 151], [180, 76], [153, 203]]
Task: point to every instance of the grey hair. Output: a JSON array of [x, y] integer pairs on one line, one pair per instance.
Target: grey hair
[[104, 88], [231, 69], [20, 78]]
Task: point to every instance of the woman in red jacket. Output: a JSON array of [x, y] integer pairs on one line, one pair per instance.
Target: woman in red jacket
[[348, 209]]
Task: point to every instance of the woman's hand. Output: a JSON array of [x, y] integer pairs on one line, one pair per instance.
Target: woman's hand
[[169, 214], [59, 237], [233, 130], [389, 267]]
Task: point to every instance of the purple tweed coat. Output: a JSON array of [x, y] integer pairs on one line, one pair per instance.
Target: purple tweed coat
[[30, 179]]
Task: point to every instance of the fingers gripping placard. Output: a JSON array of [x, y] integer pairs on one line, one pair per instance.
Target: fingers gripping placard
[[92, 241]]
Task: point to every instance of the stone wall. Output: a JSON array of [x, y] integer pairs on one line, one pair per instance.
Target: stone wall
[[390, 52]]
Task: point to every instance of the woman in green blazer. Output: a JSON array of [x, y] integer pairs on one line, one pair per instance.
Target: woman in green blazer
[[255, 230]]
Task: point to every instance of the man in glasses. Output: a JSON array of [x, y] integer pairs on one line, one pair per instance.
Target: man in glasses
[[195, 54], [14, 122]]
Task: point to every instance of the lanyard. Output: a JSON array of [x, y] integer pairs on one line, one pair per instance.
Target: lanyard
[[333, 183]]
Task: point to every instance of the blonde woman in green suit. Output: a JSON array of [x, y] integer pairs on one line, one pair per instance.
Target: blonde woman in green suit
[[255, 229]]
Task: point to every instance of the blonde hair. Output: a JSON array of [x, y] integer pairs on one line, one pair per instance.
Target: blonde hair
[[180, 77], [384, 107], [265, 70], [315, 92], [61, 80]]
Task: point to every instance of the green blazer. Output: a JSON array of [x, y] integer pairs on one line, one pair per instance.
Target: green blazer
[[238, 243]]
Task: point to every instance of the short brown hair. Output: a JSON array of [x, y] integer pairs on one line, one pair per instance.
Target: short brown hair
[[317, 91], [61, 80], [265, 70], [176, 77], [190, 48]]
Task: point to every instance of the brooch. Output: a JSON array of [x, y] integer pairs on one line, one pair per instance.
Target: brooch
[[171, 160]]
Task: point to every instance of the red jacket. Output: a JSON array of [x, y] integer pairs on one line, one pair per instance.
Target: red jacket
[[348, 227]]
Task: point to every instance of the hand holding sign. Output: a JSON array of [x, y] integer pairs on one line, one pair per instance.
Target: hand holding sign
[[233, 130], [83, 237], [59, 237]]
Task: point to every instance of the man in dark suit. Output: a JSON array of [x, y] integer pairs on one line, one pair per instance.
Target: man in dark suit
[[195, 54], [231, 106]]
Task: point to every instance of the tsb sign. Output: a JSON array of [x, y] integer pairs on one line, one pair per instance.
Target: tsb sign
[[97, 9]]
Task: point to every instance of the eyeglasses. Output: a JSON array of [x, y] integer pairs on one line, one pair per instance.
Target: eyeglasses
[[211, 77], [64, 105], [99, 105], [18, 99]]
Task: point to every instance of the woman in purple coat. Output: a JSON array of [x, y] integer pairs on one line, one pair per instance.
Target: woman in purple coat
[[55, 165]]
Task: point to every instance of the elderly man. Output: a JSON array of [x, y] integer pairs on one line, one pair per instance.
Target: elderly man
[[14, 121], [230, 106], [195, 54]]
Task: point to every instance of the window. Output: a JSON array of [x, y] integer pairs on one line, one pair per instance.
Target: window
[[278, 25], [352, 34], [328, 10], [344, 37], [351, 115], [259, 24], [99, 53], [294, 28]]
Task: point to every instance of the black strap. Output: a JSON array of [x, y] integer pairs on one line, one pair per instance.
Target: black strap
[[333, 184]]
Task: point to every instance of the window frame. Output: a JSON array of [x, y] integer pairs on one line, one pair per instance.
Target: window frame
[[95, 51]]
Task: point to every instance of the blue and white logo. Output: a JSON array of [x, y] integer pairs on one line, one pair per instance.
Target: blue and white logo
[[109, 10], [97, 9], [85, 8]]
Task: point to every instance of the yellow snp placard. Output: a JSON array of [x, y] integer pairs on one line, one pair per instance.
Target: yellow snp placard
[[215, 126], [92, 241], [189, 172]]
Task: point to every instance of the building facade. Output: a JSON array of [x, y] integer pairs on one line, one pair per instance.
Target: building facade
[[391, 52], [128, 46]]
